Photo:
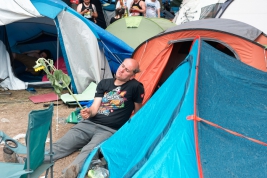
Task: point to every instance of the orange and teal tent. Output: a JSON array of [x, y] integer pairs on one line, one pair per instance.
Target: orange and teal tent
[[208, 119], [159, 56]]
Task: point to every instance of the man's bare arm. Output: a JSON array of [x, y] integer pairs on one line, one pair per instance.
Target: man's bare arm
[[92, 111]]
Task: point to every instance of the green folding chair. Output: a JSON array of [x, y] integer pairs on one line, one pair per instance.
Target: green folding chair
[[39, 124]]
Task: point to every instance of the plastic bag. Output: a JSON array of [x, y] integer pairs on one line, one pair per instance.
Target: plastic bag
[[74, 117]]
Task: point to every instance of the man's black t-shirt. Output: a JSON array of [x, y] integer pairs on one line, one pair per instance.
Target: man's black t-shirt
[[117, 102]]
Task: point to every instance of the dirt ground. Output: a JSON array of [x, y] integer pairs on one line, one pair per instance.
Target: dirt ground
[[14, 110]]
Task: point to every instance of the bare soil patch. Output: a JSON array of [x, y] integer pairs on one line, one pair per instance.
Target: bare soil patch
[[14, 110]]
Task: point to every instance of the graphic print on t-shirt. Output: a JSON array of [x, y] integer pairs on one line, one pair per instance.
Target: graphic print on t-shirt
[[111, 101], [151, 6]]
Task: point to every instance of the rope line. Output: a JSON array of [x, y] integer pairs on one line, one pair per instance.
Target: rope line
[[192, 117], [117, 58]]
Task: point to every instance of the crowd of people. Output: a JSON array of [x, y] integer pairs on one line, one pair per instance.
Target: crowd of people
[[146, 8], [124, 8]]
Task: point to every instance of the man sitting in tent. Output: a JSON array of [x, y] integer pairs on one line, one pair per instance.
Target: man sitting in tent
[[114, 102], [28, 60]]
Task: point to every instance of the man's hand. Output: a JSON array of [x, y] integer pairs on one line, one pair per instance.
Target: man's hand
[[86, 113]]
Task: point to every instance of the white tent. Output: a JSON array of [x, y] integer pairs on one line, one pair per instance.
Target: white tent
[[191, 10], [252, 12]]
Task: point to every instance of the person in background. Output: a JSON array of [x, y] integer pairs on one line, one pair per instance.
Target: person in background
[[121, 4], [101, 22], [138, 8], [74, 4], [152, 8], [118, 14], [28, 60], [88, 10], [115, 100]]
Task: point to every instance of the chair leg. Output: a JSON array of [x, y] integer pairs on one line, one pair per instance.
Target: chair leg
[[51, 171], [46, 173]]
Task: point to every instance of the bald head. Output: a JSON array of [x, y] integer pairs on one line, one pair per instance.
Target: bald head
[[134, 64], [127, 70]]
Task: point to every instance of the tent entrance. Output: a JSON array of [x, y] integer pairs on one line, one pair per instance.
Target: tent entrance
[[34, 34], [181, 50]]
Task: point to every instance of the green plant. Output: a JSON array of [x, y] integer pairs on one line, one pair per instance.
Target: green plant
[[55, 76]]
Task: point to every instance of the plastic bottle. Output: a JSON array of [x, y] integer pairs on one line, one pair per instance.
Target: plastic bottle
[[97, 171], [126, 12]]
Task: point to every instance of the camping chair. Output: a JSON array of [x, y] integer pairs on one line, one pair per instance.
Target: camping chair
[[39, 124]]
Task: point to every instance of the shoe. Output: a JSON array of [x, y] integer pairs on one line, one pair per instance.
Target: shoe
[[71, 172]]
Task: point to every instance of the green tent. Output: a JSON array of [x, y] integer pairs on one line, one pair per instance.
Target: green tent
[[136, 29]]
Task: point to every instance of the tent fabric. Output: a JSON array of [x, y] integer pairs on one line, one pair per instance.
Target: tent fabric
[[142, 29], [169, 45], [193, 10], [160, 141], [97, 56], [115, 50], [6, 72], [229, 26], [16, 10], [250, 12], [232, 95]]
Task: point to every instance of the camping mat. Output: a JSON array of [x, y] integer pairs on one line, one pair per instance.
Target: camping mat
[[44, 98], [86, 95], [232, 95]]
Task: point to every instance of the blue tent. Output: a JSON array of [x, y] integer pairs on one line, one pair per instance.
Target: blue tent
[[207, 120], [90, 53]]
